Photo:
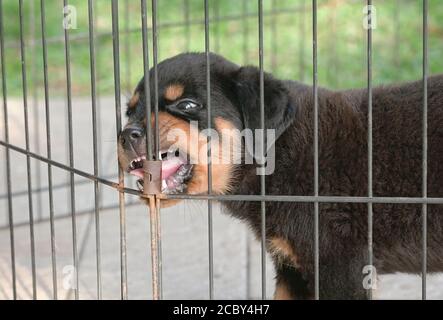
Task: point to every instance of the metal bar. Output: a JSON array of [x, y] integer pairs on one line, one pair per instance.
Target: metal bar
[[64, 216], [154, 257], [245, 61], [127, 47], [48, 150], [370, 148], [28, 158], [425, 148], [274, 198], [71, 157], [95, 145], [209, 115], [156, 227], [8, 158], [43, 189], [263, 144], [121, 198], [316, 187], [71, 169], [35, 108]]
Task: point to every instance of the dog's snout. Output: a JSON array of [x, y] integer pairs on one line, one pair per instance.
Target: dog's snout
[[131, 136]]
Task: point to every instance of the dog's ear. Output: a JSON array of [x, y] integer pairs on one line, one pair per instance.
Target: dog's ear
[[279, 111]]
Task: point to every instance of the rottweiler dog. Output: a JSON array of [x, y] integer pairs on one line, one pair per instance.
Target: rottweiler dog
[[343, 166]]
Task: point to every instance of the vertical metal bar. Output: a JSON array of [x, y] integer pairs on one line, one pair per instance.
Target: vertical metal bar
[[95, 143], [187, 25], [425, 148], [127, 47], [147, 86], [71, 158], [370, 191], [209, 115], [98, 108], [28, 158], [48, 150], [118, 118], [8, 158], [245, 61], [156, 295], [315, 94], [36, 117], [262, 125], [157, 220]]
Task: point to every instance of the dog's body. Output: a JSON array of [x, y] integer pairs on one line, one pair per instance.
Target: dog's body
[[343, 167]]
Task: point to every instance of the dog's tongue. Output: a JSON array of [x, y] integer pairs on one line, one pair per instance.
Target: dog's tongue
[[169, 167]]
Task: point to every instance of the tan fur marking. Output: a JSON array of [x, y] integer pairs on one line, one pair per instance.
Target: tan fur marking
[[282, 249], [134, 100], [174, 91], [282, 292], [222, 172]]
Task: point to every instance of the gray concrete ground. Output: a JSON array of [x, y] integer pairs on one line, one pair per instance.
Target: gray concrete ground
[[184, 228]]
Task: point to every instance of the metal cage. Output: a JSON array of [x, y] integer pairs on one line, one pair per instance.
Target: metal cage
[[118, 186]]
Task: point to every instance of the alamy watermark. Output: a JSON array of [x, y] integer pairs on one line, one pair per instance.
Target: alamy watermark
[[370, 17], [69, 17], [228, 146]]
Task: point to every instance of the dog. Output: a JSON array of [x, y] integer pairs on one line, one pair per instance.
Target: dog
[[343, 167]]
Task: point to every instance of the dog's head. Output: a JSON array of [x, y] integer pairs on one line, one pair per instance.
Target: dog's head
[[183, 122]]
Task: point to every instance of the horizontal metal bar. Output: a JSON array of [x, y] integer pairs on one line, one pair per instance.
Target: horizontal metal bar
[[275, 198], [87, 175], [68, 215], [290, 198], [21, 193]]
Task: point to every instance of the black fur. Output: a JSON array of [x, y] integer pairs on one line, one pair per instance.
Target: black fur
[[397, 171]]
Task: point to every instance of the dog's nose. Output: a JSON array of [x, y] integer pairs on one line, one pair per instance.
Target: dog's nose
[[131, 136]]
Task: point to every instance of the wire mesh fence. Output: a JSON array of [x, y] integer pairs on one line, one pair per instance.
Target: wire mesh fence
[[106, 189]]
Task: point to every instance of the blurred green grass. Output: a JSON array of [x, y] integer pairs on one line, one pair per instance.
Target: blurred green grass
[[397, 40]]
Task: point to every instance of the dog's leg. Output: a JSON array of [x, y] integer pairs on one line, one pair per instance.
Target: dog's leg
[[341, 274], [290, 284]]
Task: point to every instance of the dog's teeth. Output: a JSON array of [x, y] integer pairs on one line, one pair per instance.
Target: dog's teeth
[[164, 185]]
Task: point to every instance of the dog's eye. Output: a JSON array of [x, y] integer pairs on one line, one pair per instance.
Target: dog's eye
[[188, 105]]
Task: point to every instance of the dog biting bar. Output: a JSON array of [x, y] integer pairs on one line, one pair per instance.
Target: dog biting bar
[[150, 182], [95, 145], [152, 165], [8, 158], [48, 151], [121, 199]]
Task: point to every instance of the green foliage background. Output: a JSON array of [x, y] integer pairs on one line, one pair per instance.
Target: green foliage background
[[397, 40]]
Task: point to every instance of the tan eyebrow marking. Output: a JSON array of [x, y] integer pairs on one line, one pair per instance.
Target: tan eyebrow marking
[[134, 99], [174, 91]]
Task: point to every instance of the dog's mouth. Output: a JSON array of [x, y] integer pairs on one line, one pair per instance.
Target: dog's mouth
[[176, 171]]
